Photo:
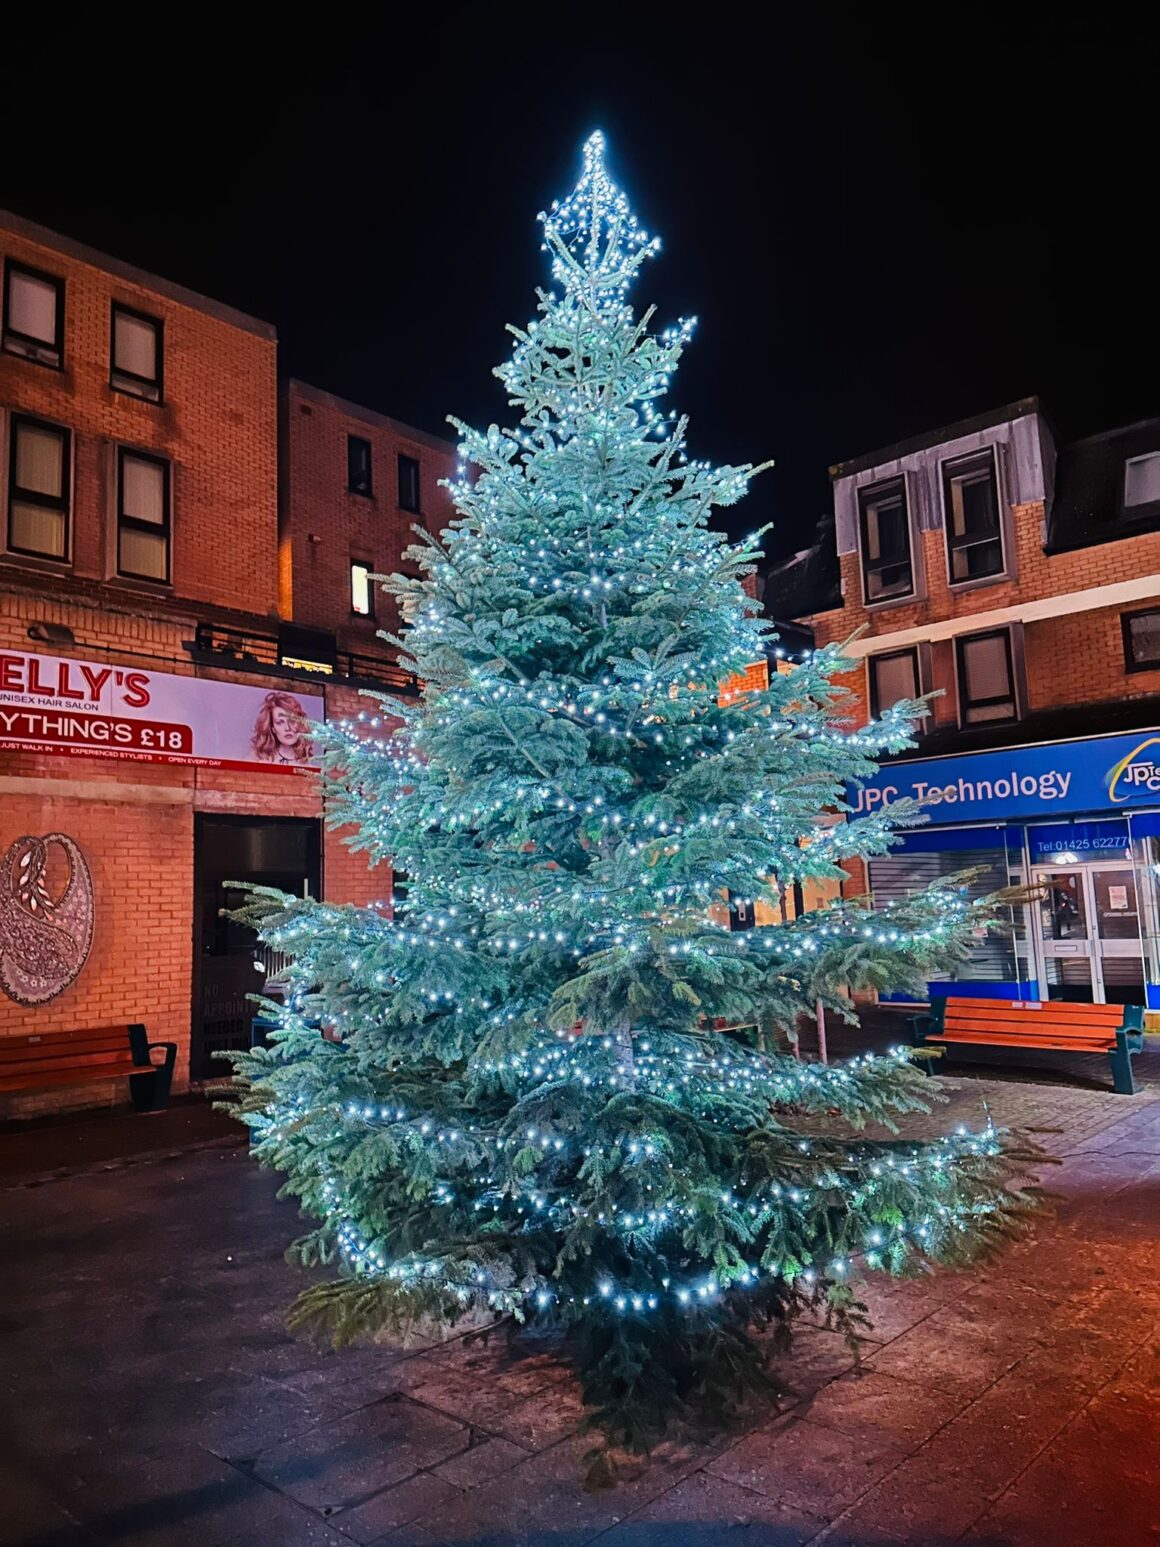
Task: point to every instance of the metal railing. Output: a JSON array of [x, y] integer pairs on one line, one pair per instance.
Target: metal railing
[[248, 650]]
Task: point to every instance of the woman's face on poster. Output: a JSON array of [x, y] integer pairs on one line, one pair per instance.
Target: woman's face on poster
[[286, 730]]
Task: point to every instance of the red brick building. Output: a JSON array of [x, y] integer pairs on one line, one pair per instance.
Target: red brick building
[[354, 485], [166, 610], [1018, 579]]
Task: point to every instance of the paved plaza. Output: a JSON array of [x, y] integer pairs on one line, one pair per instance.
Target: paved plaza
[[153, 1396]]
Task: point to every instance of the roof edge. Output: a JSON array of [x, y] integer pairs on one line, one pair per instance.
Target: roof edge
[[294, 384], [69, 248], [903, 448]]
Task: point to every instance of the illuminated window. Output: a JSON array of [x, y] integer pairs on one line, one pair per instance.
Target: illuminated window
[[887, 570], [39, 488], [408, 483], [973, 521], [143, 516], [135, 354], [361, 593], [358, 465], [33, 314]]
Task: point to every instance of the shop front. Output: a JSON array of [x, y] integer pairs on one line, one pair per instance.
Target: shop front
[[1078, 823]]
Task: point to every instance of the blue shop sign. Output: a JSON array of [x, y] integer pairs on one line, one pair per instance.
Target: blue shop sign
[[1096, 774], [1067, 842]]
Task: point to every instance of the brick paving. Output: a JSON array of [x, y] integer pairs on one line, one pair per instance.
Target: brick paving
[[151, 1395]]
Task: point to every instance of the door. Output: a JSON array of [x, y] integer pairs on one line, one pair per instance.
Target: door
[[1116, 934], [1065, 944], [228, 963], [1089, 934]]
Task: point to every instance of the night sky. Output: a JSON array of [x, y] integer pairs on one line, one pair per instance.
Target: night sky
[[880, 229]]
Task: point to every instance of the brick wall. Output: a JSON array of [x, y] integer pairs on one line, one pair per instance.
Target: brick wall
[[1074, 657], [217, 426], [325, 528], [134, 823]]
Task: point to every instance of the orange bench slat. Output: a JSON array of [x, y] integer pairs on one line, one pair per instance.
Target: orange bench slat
[[25, 1052], [1100, 1014], [75, 1076], [1097, 1035], [1044, 1045]]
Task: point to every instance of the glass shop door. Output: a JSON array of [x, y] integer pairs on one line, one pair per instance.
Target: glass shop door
[[1115, 915], [1089, 934]]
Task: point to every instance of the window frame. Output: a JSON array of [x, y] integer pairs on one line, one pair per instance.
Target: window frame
[[417, 508], [117, 375], [865, 495], [33, 496], [1130, 662], [1142, 507], [947, 472], [135, 523], [871, 675], [1014, 696], [369, 569], [369, 492], [7, 331]]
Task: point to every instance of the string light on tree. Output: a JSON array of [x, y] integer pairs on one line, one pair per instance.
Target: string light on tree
[[529, 1103]]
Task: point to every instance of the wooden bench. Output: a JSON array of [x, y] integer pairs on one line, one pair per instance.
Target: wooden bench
[[42, 1060], [1055, 1026]]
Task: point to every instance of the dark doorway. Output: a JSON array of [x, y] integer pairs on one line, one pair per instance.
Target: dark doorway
[[272, 851]]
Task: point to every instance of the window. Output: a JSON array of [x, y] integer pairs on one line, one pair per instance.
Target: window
[[362, 596], [33, 314], [408, 483], [1141, 640], [886, 566], [135, 354], [973, 518], [143, 524], [358, 465], [1142, 480], [894, 675], [986, 678], [38, 489]]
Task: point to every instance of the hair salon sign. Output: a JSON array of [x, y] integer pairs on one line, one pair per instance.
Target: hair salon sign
[[90, 709]]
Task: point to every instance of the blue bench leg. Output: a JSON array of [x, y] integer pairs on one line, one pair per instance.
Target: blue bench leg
[[1120, 1059]]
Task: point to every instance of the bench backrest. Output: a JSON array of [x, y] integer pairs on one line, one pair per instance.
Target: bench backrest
[[1038, 1018], [43, 1051]]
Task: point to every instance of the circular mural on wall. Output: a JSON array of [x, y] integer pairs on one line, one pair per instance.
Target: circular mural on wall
[[46, 917]]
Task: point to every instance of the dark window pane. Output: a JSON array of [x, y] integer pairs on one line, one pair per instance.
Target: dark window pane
[[408, 483], [1143, 632], [358, 465], [886, 563], [974, 531]]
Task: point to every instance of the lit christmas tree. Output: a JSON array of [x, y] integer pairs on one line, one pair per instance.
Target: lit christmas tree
[[530, 1109]]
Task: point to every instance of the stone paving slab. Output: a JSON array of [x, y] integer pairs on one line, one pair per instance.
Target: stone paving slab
[[151, 1395]]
